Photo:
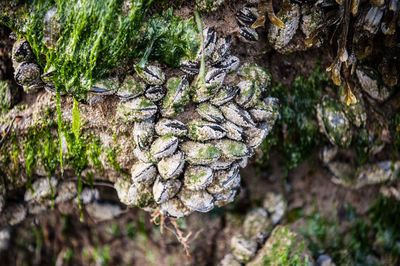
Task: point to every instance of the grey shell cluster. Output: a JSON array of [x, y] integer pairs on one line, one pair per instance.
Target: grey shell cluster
[[192, 137], [307, 17], [246, 17], [27, 71]]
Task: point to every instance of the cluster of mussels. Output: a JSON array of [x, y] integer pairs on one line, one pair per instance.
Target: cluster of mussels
[[27, 71], [192, 132], [363, 32], [343, 123], [284, 26], [191, 138]]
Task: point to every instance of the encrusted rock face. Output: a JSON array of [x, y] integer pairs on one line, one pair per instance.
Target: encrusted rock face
[[192, 140], [169, 143]]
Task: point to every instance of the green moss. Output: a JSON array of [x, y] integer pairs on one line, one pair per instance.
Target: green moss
[[95, 150], [170, 39], [209, 152], [10, 157], [77, 155], [297, 118], [39, 146], [194, 179], [5, 97], [285, 249], [96, 36], [236, 148], [112, 159], [31, 147], [368, 240]]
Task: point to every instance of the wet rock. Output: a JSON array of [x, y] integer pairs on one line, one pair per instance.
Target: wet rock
[[103, 211], [283, 242], [256, 222], [275, 204], [243, 249], [41, 188], [324, 260]]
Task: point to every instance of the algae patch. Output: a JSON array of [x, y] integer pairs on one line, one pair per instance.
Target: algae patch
[[297, 119], [97, 36]]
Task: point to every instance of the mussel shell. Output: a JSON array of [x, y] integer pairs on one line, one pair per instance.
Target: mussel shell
[[248, 34], [233, 131], [163, 146], [136, 109], [199, 201], [155, 93], [175, 208], [171, 166], [203, 130], [164, 190], [198, 177], [143, 132], [229, 63], [170, 126], [152, 75], [247, 16], [143, 173], [27, 74], [200, 153], [210, 113], [224, 95], [237, 115]]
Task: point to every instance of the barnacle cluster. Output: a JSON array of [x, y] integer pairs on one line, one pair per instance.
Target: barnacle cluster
[[361, 32], [189, 161]]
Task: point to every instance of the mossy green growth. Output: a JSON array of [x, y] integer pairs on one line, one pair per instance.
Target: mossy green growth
[[6, 97], [96, 36], [177, 96], [209, 152], [169, 39], [368, 240], [39, 146], [284, 248], [297, 118], [77, 146], [195, 178], [95, 150], [10, 157], [111, 153], [77, 150]]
